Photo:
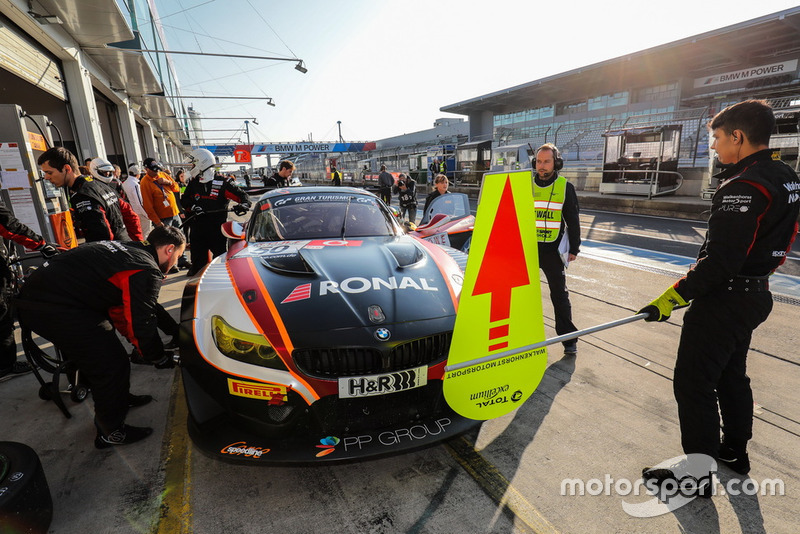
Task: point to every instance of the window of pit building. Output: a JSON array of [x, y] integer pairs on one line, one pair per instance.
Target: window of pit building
[[656, 92], [568, 108], [542, 112], [609, 100]]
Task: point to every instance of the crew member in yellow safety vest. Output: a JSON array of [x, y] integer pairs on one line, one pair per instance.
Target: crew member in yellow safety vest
[[556, 205], [443, 166]]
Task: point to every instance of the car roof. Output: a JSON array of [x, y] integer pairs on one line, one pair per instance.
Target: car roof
[[304, 190]]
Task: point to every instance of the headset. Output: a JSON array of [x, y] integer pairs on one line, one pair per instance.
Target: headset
[[558, 161]]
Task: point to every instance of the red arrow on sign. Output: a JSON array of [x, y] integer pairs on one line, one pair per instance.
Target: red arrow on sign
[[503, 267]]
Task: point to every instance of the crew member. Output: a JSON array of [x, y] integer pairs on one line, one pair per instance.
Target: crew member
[[134, 196], [406, 191], [11, 228], [159, 199], [556, 205], [78, 298], [282, 177], [336, 176], [103, 171], [385, 183], [751, 228], [440, 185], [99, 212], [206, 197]]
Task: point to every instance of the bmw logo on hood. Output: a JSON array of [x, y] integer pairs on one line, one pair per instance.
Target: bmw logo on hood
[[382, 334]]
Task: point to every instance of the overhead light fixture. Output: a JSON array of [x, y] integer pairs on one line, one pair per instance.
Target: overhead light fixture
[[161, 95], [45, 19], [270, 103], [301, 67]]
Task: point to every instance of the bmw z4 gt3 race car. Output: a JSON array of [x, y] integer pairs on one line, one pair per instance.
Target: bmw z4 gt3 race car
[[321, 335]]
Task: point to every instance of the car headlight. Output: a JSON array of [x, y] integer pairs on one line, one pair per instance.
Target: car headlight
[[244, 346]]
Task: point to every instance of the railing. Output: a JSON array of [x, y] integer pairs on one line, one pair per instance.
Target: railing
[[652, 181]]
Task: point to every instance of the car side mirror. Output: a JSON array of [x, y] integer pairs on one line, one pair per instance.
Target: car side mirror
[[233, 230]]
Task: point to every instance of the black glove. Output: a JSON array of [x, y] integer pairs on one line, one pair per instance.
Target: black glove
[[167, 362], [197, 209], [48, 250], [241, 209]]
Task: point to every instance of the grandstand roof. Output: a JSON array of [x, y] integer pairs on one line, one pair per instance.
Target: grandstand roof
[[728, 48]]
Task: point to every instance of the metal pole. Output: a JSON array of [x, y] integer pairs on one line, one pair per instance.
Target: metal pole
[[551, 341], [247, 131]]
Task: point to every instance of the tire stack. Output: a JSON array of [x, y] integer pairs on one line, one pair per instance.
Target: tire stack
[[25, 503]]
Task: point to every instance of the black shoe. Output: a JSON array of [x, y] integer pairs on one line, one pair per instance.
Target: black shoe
[[134, 401], [18, 368], [137, 358], [173, 270], [124, 435], [186, 264], [735, 458], [693, 480]]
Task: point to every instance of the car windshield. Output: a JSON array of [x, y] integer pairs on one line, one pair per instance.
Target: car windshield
[[315, 216]]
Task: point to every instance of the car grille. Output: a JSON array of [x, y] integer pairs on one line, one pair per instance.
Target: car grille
[[355, 361], [381, 411]]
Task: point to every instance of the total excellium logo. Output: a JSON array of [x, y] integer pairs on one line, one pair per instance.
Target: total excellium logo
[[495, 395], [489, 393]]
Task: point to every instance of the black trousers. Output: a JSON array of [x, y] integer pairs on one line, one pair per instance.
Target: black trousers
[[204, 239], [386, 195], [552, 266], [711, 369], [90, 341]]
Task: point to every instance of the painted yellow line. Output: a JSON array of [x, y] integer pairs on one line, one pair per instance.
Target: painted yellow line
[[497, 486], [175, 516]]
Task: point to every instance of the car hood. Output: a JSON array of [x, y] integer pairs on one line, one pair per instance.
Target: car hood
[[323, 285]]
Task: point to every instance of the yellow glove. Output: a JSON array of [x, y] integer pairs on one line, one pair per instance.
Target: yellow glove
[[661, 308]]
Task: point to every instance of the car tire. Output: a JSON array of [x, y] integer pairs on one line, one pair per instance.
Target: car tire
[[25, 501]]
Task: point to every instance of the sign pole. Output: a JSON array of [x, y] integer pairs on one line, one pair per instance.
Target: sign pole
[[546, 342]]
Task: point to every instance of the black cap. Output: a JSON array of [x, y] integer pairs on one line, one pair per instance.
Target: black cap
[[152, 164]]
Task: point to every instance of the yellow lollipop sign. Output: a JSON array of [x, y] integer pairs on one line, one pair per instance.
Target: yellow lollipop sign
[[500, 307]]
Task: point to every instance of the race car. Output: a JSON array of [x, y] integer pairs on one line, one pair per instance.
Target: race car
[[321, 335], [447, 221]]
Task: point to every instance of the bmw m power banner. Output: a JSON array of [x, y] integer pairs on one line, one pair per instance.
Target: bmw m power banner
[[500, 307]]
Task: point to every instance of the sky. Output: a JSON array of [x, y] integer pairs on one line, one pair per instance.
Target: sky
[[385, 67]]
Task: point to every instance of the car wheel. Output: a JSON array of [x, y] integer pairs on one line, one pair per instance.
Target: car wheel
[[25, 501]]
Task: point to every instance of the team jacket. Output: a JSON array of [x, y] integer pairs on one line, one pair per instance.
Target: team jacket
[[118, 280], [212, 196], [407, 198], [752, 225], [101, 214]]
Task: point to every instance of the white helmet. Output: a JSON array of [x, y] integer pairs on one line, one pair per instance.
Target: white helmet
[[102, 170], [202, 164]]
